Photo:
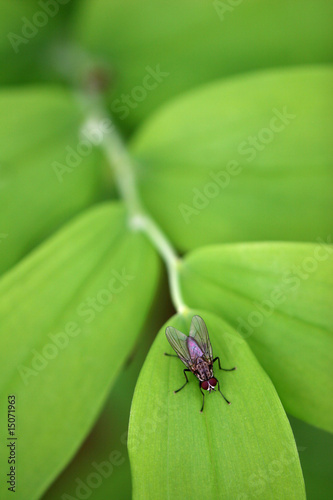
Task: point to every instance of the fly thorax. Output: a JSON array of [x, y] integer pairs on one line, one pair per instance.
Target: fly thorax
[[204, 370]]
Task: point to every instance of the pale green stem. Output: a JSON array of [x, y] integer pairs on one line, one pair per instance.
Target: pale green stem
[[123, 168], [171, 259]]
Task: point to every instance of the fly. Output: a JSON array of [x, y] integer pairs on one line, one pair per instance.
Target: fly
[[195, 351]]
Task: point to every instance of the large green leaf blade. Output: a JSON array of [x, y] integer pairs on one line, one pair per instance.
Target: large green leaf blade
[[73, 311], [279, 297], [106, 447], [195, 42], [238, 451], [212, 169], [43, 145]]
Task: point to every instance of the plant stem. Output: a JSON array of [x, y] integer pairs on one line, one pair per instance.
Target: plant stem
[[122, 166], [171, 259]]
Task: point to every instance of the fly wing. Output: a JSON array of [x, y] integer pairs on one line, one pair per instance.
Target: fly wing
[[199, 333], [178, 343]]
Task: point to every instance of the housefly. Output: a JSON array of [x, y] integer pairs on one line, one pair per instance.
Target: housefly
[[196, 352]]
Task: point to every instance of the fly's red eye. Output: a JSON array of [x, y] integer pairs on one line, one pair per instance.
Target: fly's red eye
[[205, 385], [213, 382]]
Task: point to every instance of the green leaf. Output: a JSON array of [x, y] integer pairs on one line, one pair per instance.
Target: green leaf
[[279, 297], [239, 451], [203, 182], [70, 316], [315, 452], [41, 146], [108, 439], [194, 42]]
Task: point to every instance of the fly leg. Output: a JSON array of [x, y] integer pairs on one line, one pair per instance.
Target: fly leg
[[182, 387], [224, 369], [203, 398], [218, 386], [185, 370]]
